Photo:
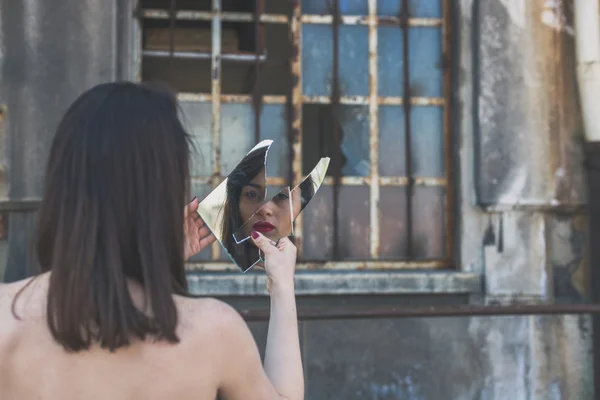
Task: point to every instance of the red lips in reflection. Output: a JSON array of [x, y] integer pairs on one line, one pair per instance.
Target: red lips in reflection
[[263, 227]]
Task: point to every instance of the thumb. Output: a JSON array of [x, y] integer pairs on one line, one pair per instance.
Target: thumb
[[263, 243]]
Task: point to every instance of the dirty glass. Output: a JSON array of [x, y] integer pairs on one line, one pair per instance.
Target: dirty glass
[[237, 136], [416, 8], [195, 117], [346, 7], [353, 231], [427, 141], [425, 62], [317, 60]]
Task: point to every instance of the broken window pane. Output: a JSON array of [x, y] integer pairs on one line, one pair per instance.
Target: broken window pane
[[318, 137], [425, 59], [346, 7], [416, 8], [274, 79], [355, 140], [427, 141]]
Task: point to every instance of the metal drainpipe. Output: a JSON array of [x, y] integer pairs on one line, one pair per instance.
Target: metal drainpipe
[[587, 42]]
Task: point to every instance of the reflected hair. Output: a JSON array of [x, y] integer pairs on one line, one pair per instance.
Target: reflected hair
[[307, 191], [244, 253], [112, 212]]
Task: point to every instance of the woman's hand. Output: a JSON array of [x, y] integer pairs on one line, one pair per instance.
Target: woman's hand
[[197, 234], [280, 261]]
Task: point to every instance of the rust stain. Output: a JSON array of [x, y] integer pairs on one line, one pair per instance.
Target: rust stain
[[374, 215], [336, 131], [295, 124], [404, 17], [446, 51]]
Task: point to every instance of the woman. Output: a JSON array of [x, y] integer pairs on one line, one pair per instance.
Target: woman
[[110, 318]]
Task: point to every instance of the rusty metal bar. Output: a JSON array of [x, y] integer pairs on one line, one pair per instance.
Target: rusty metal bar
[[373, 133], [348, 181], [296, 110], [228, 16], [337, 130], [314, 313], [346, 100], [407, 127], [448, 145], [256, 92], [334, 266], [216, 103], [198, 55], [362, 20], [172, 11]]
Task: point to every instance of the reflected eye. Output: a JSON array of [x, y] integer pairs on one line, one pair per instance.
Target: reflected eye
[[252, 196], [281, 197]]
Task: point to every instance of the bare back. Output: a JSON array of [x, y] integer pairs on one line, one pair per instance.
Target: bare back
[[34, 366]]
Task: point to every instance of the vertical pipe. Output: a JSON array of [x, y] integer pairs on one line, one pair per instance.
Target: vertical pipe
[[296, 109], [373, 132], [407, 127], [216, 104], [336, 129]]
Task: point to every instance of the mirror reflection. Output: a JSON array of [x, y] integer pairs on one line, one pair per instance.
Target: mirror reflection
[[237, 206]]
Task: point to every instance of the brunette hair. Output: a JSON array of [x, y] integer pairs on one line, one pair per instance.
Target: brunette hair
[[112, 212]]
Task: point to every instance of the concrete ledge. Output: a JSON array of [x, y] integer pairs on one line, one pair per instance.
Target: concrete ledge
[[339, 282]]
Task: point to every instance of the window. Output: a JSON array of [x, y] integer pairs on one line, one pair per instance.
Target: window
[[355, 88]]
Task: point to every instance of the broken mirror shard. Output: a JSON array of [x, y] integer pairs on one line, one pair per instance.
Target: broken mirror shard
[[220, 209], [273, 219], [299, 199], [237, 206]]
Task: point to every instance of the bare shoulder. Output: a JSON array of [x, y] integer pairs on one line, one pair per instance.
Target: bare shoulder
[[209, 313], [8, 291]]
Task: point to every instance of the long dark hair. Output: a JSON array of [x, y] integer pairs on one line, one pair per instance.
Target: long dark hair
[[116, 184], [244, 253]]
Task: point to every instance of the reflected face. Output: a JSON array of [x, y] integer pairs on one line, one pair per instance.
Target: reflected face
[[252, 196], [296, 202], [272, 219]]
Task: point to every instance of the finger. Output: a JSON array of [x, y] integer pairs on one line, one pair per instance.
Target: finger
[[204, 232], [263, 243], [207, 241], [191, 206]]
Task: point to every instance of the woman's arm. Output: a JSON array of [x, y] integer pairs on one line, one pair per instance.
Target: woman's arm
[[283, 361], [282, 376]]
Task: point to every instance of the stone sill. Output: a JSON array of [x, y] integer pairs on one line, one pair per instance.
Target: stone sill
[[339, 283]]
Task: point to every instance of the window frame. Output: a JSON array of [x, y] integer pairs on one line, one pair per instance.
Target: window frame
[[295, 22]]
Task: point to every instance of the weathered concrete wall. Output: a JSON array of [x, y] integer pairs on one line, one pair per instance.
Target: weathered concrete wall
[[517, 133], [50, 53]]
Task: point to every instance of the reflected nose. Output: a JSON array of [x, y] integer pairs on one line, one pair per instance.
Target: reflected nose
[[267, 210]]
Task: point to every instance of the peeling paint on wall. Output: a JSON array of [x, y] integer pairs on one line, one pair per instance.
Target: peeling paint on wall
[[554, 17]]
